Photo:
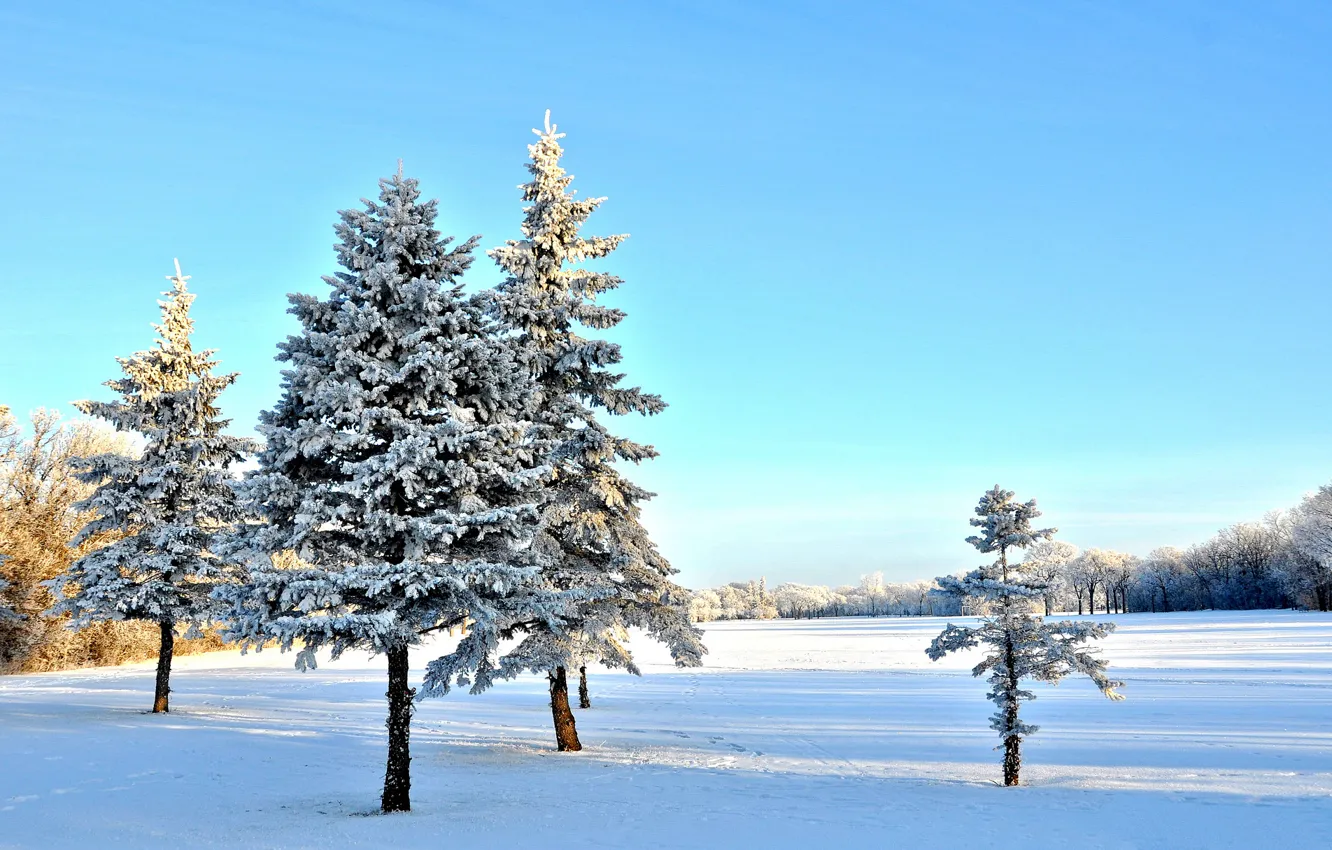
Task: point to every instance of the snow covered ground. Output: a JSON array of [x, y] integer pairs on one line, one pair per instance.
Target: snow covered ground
[[833, 733]]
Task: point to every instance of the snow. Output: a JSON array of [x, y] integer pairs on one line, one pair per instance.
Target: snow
[[831, 733]]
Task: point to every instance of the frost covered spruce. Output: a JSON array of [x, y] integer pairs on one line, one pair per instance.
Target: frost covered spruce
[[590, 530], [395, 490], [165, 505], [1019, 645]]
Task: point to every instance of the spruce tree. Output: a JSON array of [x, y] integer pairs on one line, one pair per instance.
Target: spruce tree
[[591, 526], [1019, 645], [395, 486], [166, 504]]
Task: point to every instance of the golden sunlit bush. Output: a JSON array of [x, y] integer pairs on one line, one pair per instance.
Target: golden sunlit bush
[[38, 522]]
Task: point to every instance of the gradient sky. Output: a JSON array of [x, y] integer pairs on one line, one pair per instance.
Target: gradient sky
[[883, 255]]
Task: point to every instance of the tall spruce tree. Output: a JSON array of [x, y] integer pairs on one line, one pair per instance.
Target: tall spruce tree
[[1019, 645], [166, 504], [591, 530], [396, 485]]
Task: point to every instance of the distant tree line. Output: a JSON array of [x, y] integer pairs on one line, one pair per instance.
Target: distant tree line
[[1281, 561], [872, 597]]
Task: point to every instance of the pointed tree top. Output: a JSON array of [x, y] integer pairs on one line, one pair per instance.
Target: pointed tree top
[[178, 279], [399, 168], [550, 129]]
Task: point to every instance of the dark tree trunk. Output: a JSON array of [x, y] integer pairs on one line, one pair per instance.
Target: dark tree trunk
[[398, 774], [566, 732], [162, 695], [584, 698], [1013, 743], [1012, 759]]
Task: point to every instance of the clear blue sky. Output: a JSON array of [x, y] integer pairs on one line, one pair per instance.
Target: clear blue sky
[[883, 255]]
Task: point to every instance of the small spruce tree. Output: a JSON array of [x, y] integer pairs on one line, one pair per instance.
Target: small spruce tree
[[396, 484], [1019, 645], [591, 531], [164, 505]]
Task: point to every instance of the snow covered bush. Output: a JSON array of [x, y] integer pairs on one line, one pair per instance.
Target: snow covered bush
[[1018, 644], [7, 612], [39, 491]]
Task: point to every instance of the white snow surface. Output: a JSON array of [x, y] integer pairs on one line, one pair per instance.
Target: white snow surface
[[832, 733]]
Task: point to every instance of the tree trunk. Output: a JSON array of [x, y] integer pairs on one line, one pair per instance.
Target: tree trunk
[[398, 774], [566, 732], [1012, 759], [1013, 743], [161, 697], [584, 698]]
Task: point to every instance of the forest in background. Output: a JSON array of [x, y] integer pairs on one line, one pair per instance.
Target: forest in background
[[1281, 561]]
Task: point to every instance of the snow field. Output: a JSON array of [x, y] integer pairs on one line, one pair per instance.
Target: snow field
[[831, 733]]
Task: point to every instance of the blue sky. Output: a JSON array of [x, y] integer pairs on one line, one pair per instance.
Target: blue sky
[[883, 255]]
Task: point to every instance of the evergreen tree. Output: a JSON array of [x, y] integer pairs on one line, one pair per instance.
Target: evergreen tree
[[395, 486], [591, 527], [166, 504], [1019, 644]]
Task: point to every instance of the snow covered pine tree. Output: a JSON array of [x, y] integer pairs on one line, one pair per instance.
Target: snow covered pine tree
[[591, 532], [1020, 644], [168, 503], [396, 483]]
